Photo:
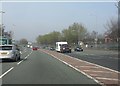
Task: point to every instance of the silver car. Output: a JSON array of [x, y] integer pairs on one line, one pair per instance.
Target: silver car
[[9, 52]]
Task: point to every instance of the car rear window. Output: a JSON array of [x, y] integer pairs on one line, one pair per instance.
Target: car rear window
[[5, 47]]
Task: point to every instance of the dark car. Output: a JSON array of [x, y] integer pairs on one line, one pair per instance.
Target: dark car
[[65, 48], [52, 48], [78, 49]]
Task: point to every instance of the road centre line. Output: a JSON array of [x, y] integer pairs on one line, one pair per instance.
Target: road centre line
[[108, 79], [19, 62], [24, 58], [12, 67], [6, 72]]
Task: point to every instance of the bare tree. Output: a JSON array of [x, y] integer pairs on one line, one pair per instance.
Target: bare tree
[[112, 29]]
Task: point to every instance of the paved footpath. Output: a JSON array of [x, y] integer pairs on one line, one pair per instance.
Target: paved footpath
[[100, 74]]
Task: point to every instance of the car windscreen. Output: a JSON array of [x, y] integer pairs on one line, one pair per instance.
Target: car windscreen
[[5, 47]]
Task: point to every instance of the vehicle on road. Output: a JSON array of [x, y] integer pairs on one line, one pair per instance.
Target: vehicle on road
[[11, 52], [35, 48], [63, 47], [78, 48], [52, 48]]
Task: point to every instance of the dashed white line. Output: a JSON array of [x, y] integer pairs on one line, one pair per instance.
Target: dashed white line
[[20, 62], [6, 72], [24, 58], [13, 67]]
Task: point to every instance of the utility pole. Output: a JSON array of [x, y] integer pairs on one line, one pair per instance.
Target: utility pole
[[1, 12]]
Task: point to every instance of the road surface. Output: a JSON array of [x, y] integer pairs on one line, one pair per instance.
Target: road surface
[[37, 67]]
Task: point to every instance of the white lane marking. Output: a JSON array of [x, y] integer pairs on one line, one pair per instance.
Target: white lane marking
[[94, 64], [108, 79], [19, 62], [76, 69], [6, 72], [96, 71], [24, 58]]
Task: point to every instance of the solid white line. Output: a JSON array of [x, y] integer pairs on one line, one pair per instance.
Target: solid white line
[[6, 72], [108, 79]]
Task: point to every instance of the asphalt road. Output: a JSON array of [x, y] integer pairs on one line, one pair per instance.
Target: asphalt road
[[104, 58], [36, 67]]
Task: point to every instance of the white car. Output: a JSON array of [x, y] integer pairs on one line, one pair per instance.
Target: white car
[[9, 52]]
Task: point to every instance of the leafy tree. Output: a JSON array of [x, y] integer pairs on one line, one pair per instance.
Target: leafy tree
[[76, 32], [49, 39], [23, 41]]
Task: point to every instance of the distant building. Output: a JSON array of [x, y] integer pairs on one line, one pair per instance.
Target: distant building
[[107, 39]]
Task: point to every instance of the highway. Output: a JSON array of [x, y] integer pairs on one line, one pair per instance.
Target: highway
[[37, 67], [104, 58]]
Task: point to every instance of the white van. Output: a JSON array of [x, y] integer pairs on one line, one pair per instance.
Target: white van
[[58, 44], [62, 47]]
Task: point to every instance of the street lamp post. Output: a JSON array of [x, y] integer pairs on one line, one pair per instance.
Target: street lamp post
[[96, 38], [1, 21]]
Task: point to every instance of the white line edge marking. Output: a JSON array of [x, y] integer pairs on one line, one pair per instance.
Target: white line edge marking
[[76, 69], [6, 72]]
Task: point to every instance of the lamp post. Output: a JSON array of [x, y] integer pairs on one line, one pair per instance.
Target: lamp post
[[1, 12], [96, 38]]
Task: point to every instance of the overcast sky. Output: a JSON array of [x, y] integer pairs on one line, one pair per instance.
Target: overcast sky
[[30, 19]]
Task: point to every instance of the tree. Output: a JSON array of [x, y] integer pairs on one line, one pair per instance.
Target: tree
[[76, 32], [49, 39], [112, 30], [23, 41]]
